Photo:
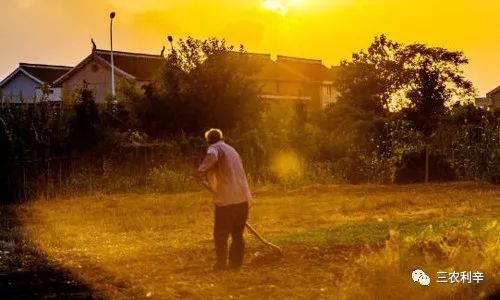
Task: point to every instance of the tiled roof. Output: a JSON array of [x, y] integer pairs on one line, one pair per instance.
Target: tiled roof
[[141, 66], [286, 68], [268, 69], [43, 74], [310, 68], [494, 91], [134, 66]]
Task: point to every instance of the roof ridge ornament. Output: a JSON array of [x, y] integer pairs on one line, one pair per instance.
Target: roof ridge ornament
[[94, 46]]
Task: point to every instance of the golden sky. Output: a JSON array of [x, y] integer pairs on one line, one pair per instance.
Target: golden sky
[[59, 31]]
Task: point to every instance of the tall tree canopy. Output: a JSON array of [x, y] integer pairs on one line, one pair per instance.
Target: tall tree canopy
[[389, 76], [418, 80], [204, 83], [372, 77], [433, 82], [415, 83]]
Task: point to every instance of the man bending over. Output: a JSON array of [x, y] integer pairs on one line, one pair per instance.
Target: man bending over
[[223, 169]]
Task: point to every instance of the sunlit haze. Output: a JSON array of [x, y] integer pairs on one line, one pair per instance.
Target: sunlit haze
[[59, 32]]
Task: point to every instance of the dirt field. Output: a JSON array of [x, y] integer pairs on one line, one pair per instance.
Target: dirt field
[[340, 242]]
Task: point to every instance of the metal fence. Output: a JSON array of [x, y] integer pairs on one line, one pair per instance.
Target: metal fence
[[54, 176]]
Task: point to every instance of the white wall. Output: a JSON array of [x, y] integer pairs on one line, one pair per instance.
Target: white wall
[[328, 94], [54, 94], [31, 90], [18, 84]]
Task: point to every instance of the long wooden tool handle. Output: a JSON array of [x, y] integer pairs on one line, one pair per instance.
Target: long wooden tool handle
[[204, 182], [263, 240]]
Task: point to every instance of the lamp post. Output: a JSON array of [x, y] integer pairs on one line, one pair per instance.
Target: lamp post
[[170, 40], [111, 17]]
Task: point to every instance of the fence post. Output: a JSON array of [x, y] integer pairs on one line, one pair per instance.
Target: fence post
[[59, 174], [102, 165], [24, 191]]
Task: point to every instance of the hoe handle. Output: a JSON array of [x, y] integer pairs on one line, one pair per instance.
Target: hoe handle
[[262, 239]]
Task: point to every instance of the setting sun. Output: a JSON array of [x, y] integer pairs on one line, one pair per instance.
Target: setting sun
[[281, 6], [328, 30], [257, 149], [274, 5]]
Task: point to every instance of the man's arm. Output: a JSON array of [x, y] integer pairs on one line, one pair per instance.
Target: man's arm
[[208, 162]]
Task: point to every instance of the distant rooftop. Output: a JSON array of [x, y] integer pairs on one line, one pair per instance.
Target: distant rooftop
[[46, 73], [298, 59], [140, 65], [289, 68], [310, 68], [137, 66], [41, 73]]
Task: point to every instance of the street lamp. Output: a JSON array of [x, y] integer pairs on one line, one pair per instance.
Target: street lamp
[[111, 17], [170, 40]]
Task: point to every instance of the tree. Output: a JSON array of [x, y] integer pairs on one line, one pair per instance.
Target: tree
[[435, 82], [418, 82], [86, 129], [202, 84], [367, 86], [371, 79]]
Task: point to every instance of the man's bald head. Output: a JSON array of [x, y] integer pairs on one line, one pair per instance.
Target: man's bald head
[[213, 135]]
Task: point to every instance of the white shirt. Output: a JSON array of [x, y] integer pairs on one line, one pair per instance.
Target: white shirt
[[226, 175]]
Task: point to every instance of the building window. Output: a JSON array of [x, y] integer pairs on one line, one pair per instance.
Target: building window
[[329, 90]]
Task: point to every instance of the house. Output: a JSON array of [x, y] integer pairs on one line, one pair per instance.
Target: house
[[295, 80], [285, 79], [492, 99], [483, 102], [319, 84], [94, 72], [32, 82]]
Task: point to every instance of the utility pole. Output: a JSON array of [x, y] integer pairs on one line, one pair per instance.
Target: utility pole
[[112, 16]]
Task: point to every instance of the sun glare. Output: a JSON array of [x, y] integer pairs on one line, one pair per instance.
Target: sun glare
[[286, 165], [275, 6]]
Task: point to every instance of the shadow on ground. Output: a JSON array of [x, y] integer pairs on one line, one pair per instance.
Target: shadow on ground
[[27, 274]]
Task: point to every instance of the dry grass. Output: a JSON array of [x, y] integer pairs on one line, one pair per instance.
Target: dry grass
[[335, 238]]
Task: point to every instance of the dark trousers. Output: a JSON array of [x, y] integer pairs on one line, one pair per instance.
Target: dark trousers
[[230, 220]]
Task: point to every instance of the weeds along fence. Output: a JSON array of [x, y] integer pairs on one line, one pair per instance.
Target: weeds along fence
[[128, 168], [30, 178]]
